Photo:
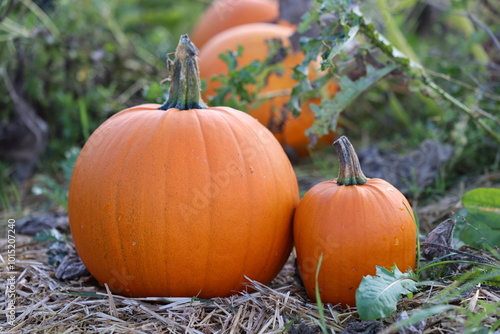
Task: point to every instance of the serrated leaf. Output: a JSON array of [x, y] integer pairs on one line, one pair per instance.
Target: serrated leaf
[[311, 47], [307, 20], [387, 47], [483, 215], [340, 43], [327, 112], [234, 90], [378, 296]]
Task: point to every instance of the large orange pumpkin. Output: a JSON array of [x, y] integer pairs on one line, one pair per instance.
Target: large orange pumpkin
[[181, 199], [225, 14], [252, 37], [357, 224]]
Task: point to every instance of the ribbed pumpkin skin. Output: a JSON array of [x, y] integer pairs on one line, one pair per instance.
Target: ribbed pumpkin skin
[[182, 202], [356, 228], [225, 14], [252, 37]]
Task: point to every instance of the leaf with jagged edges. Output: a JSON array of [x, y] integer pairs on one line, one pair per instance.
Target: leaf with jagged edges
[[378, 296], [235, 88], [328, 111]]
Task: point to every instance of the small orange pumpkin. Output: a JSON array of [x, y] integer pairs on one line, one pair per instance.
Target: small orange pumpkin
[[252, 37], [357, 224], [225, 14], [181, 199]]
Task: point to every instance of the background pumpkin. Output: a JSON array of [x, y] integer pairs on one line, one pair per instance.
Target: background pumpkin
[[253, 39], [225, 14], [182, 202], [357, 224]]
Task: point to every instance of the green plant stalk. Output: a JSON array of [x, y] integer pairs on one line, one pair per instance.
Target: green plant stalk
[[14, 29], [5, 200], [417, 226], [474, 319], [462, 284], [113, 25], [399, 111], [4, 197], [369, 32], [493, 266], [42, 16], [430, 104], [496, 325], [17, 196], [395, 35], [318, 297], [460, 83], [289, 325], [84, 118], [471, 113]]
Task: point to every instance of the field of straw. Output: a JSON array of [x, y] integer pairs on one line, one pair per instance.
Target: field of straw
[[45, 304]]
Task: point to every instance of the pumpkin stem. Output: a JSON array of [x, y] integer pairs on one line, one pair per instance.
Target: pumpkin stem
[[350, 172], [184, 90]]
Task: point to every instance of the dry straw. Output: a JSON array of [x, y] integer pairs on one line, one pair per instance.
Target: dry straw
[[45, 304]]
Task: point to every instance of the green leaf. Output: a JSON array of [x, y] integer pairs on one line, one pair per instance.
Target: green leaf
[[50, 188], [309, 18], [234, 89], [464, 283], [327, 112], [483, 215], [485, 199], [378, 296], [155, 93], [339, 45], [483, 276], [52, 235]]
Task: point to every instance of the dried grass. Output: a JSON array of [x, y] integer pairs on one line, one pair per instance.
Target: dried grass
[[47, 305]]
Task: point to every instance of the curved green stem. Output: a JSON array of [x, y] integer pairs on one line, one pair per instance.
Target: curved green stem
[[350, 172], [419, 73], [184, 93]]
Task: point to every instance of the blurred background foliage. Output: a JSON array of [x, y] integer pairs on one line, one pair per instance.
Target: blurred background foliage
[[78, 62], [457, 44]]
